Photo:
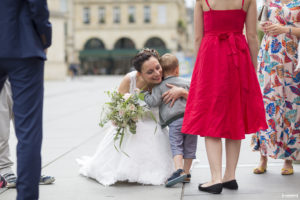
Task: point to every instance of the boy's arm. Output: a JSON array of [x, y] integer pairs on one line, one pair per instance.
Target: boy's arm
[[154, 99]]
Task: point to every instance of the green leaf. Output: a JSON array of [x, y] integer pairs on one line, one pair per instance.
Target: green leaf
[[153, 117], [132, 128], [122, 137], [141, 96], [125, 153], [116, 147]]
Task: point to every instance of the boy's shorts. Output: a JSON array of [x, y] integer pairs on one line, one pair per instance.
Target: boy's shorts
[[182, 144]]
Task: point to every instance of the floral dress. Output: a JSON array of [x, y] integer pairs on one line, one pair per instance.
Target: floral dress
[[277, 61]]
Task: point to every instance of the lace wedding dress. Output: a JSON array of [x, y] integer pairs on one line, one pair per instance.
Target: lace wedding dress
[[149, 159]]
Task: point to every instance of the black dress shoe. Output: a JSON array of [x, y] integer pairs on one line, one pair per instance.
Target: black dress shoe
[[213, 189], [232, 185]]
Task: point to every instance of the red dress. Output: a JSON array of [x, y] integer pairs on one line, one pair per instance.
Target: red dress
[[225, 99]]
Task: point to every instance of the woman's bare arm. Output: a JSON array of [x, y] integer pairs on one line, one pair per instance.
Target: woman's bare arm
[[251, 32], [198, 24], [125, 85]]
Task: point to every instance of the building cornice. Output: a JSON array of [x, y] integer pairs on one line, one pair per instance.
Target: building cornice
[[127, 1], [123, 29]]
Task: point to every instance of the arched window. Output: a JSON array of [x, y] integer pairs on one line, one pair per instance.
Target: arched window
[[94, 43], [124, 43], [155, 43]]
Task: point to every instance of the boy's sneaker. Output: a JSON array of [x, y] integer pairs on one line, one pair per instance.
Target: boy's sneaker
[[188, 178], [45, 180], [177, 177], [2, 182], [11, 180]]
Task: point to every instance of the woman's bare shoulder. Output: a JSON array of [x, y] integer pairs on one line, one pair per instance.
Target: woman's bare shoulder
[[125, 84], [248, 3]]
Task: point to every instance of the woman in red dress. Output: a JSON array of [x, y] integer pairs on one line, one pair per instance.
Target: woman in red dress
[[225, 100]]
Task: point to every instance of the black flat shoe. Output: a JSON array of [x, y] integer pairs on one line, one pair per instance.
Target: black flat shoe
[[232, 185], [213, 189]]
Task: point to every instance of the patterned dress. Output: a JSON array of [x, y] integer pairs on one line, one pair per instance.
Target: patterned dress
[[277, 61]]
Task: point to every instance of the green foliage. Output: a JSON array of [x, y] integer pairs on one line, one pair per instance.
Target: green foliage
[[124, 111]]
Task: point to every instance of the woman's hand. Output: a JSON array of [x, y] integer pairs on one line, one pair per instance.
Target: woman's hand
[[173, 94], [275, 29]]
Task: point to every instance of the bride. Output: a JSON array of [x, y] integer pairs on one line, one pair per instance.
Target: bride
[[150, 159]]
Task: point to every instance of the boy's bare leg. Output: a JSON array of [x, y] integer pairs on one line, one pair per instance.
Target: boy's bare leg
[[187, 165], [178, 161]]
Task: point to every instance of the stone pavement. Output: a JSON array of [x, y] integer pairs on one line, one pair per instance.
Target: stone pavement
[[71, 117]]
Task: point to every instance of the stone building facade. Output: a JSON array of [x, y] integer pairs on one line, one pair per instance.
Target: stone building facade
[[56, 65], [105, 34]]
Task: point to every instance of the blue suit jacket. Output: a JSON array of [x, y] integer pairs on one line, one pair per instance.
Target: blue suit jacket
[[25, 30]]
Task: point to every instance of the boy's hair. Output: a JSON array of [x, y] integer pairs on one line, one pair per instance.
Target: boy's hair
[[168, 62]]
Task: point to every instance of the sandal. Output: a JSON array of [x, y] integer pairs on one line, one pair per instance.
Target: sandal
[[188, 178], [46, 180], [260, 170], [11, 180], [285, 171]]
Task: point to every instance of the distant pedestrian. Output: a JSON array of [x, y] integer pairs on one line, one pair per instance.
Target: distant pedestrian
[[73, 69]]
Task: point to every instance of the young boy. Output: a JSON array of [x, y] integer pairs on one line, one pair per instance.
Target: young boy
[[183, 146]]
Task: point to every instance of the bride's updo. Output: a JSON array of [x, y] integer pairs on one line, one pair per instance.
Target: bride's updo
[[143, 56]]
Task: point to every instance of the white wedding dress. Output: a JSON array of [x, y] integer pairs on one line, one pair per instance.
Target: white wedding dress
[[149, 161]]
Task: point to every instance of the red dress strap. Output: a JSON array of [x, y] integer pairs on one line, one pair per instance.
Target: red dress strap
[[243, 4], [209, 5]]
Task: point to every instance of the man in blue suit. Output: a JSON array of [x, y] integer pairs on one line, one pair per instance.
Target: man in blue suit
[[25, 35]]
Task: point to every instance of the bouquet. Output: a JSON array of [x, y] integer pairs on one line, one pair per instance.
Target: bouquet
[[124, 111]]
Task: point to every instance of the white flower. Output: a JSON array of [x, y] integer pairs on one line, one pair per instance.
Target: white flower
[[131, 107], [137, 90], [121, 113], [142, 103], [124, 125], [114, 123], [127, 96]]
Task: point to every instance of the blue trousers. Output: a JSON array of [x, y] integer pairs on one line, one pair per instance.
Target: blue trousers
[[27, 83]]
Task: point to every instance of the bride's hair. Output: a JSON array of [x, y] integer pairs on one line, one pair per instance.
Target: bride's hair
[[139, 59]]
